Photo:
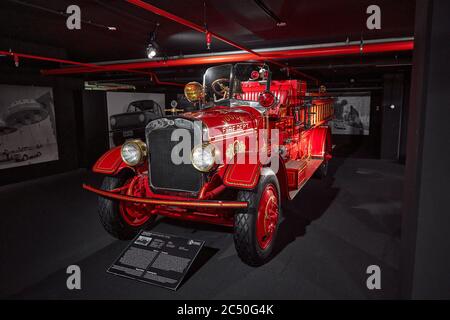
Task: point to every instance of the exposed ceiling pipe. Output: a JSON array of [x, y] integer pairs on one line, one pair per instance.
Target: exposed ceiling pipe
[[270, 13], [309, 52], [91, 66], [264, 51], [168, 15], [344, 66], [49, 59]]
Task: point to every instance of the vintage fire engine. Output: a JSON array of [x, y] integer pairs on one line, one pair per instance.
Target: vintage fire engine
[[237, 103]]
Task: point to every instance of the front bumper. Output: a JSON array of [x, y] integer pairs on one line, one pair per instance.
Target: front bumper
[[188, 203]]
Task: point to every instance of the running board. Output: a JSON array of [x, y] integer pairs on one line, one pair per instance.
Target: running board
[[311, 166]]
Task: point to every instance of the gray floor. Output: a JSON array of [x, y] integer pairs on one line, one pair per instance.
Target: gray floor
[[331, 233]]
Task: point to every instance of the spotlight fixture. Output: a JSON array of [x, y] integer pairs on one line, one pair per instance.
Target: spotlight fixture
[[151, 51], [152, 47]]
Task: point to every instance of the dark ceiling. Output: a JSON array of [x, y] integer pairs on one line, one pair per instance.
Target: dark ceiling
[[36, 22]]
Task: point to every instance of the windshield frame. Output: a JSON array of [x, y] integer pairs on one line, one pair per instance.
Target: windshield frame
[[231, 101], [206, 88]]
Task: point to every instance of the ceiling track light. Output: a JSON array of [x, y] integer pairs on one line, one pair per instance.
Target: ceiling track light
[[152, 47], [151, 51]]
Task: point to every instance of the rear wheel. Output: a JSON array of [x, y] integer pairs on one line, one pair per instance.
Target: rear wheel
[[322, 171], [121, 220], [255, 230]]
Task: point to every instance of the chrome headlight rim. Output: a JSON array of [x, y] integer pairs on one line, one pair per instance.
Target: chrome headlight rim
[[140, 146], [213, 156]]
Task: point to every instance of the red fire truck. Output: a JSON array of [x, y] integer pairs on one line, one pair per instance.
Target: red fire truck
[[253, 144]]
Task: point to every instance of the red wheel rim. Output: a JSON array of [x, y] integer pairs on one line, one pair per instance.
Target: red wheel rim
[[131, 213], [268, 212]]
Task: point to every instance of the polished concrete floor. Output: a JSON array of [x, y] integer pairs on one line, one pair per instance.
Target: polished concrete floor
[[333, 230]]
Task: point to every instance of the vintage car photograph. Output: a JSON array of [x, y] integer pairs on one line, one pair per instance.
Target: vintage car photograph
[[224, 159], [131, 123]]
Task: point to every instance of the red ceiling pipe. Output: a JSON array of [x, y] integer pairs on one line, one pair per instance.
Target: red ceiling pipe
[[157, 64], [168, 83], [392, 46], [41, 58], [16, 56], [168, 15]]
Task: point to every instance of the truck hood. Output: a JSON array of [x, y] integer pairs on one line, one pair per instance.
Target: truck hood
[[224, 121]]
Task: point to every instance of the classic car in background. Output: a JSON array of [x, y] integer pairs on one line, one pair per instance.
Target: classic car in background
[[225, 180], [25, 155], [21, 154], [131, 124]]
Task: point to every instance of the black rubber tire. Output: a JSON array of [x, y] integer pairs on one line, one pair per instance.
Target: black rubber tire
[[322, 171], [109, 213], [245, 241]]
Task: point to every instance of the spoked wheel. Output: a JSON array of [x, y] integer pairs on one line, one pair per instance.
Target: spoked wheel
[[322, 171], [132, 213], [268, 213], [123, 220], [255, 230]]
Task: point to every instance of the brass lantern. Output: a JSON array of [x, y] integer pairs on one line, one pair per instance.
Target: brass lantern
[[193, 91]]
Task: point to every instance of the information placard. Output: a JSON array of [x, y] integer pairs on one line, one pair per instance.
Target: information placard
[[158, 259]]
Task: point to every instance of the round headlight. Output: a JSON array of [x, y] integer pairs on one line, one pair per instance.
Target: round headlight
[[133, 152], [203, 157], [113, 121]]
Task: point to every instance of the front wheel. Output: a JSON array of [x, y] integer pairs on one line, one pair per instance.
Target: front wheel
[[255, 230], [122, 221]]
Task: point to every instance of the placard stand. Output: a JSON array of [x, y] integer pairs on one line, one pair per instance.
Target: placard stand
[[159, 259]]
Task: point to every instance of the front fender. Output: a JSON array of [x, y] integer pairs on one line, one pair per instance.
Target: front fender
[[242, 176], [110, 163]]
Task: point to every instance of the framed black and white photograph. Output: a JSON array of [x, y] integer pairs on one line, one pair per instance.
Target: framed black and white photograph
[[351, 115], [27, 126]]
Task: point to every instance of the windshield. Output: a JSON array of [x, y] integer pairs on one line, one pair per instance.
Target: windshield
[[216, 82], [141, 105], [224, 83]]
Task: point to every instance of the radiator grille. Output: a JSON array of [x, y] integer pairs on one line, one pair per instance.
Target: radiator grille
[[164, 174]]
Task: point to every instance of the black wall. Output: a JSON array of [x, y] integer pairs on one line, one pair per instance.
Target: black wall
[[64, 93], [425, 262], [393, 93], [388, 127], [93, 139]]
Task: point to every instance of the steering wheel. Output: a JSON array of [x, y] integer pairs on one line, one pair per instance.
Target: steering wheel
[[221, 87]]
